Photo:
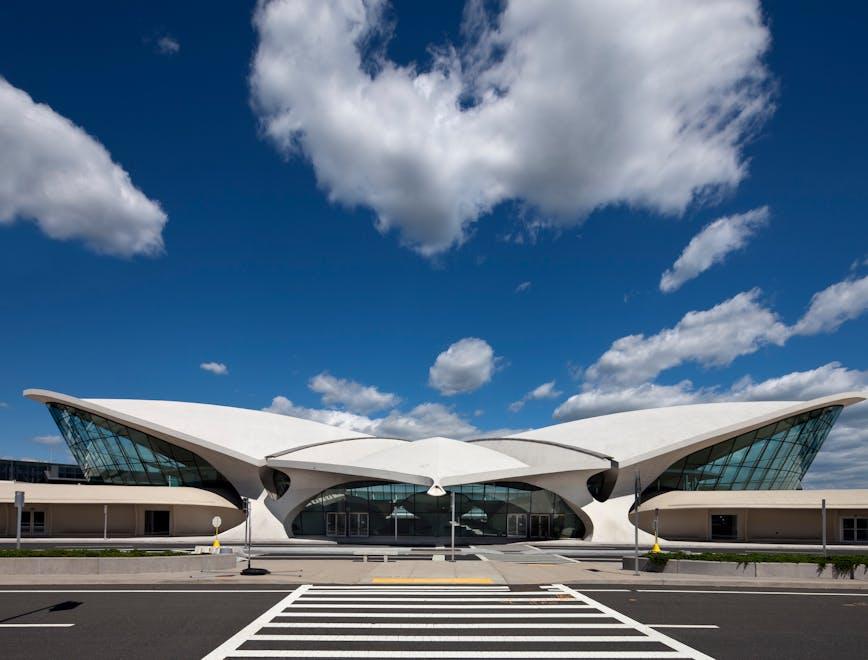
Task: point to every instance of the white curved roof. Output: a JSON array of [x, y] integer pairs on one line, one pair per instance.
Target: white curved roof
[[758, 499], [436, 460], [247, 434], [280, 441], [630, 437], [111, 494]]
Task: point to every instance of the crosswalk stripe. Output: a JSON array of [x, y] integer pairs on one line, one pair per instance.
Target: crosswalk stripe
[[230, 646], [485, 599], [654, 634], [421, 625], [447, 615], [556, 604], [399, 587], [490, 639], [320, 621], [311, 653]]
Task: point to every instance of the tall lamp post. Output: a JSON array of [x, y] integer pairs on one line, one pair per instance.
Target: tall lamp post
[[248, 537]]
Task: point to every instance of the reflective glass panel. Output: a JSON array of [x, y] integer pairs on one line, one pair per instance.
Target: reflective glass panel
[[121, 455], [776, 456]]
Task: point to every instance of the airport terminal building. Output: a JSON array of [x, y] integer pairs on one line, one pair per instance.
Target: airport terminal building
[[717, 471]]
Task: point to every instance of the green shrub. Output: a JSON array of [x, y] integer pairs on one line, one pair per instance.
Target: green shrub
[[841, 564], [87, 552]]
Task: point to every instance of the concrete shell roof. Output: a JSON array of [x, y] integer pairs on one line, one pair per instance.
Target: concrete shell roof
[[437, 460], [250, 435], [280, 441], [106, 494], [758, 499], [638, 434]]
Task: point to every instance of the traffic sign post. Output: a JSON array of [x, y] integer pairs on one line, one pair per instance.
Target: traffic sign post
[[19, 505], [216, 521]]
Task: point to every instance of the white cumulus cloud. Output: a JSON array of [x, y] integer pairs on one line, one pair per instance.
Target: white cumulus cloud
[[50, 440], [523, 287], [55, 174], [833, 306], [466, 365], [216, 368], [422, 421], [167, 45], [566, 107], [350, 394], [712, 337], [711, 245], [544, 391], [593, 401]]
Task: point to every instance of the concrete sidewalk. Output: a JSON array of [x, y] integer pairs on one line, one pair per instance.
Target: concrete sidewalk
[[290, 572]]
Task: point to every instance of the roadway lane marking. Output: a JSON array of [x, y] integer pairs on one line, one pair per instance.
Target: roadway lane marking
[[647, 630], [361, 624], [370, 587], [145, 591], [232, 644], [422, 580], [36, 625], [450, 615], [556, 604], [306, 653], [429, 639], [682, 625], [541, 598], [753, 593], [472, 594], [419, 625]]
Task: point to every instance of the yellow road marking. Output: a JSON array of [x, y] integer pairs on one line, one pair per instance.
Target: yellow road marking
[[452, 580]]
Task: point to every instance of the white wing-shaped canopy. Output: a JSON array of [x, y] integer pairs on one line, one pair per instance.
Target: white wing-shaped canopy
[[651, 437]]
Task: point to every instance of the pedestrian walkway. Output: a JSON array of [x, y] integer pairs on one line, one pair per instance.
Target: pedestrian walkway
[[415, 621]]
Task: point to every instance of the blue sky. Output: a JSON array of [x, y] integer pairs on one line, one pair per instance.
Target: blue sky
[[325, 204]]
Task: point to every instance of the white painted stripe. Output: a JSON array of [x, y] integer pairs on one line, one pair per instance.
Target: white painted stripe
[[145, 591], [650, 632], [570, 559], [420, 625], [474, 639], [754, 593], [381, 587], [308, 653], [231, 644], [556, 605], [682, 625], [539, 598], [317, 594], [36, 625], [444, 615]]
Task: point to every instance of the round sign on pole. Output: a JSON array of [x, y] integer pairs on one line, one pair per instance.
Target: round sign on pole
[[216, 521]]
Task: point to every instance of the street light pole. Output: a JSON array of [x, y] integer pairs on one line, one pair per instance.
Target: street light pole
[[823, 516], [636, 524], [452, 522], [248, 533]]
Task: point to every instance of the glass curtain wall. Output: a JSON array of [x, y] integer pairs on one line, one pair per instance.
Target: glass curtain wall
[[121, 455], [501, 509], [774, 457]]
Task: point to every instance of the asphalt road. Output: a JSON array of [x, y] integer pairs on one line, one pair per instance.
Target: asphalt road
[[192, 622]]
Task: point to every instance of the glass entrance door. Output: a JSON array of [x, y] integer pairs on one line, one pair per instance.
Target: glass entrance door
[[540, 526], [358, 524], [516, 525], [157, 523], [336, 524], [724, 526], [32, 523]]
